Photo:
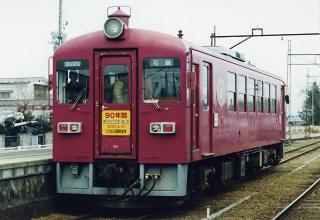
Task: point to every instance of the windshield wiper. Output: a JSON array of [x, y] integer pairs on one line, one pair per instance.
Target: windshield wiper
[[152, 100], [78, 98], [158, 70]]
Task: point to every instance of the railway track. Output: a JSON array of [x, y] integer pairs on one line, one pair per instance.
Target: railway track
[[294, 203], [101, 216], [304, 150], [200, 209], [104, 214], [259, 200]]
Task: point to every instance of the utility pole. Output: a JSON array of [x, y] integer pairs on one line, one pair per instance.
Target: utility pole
[[58, 37], [289, 87], [309, 111], [60, 23], [213, 38]]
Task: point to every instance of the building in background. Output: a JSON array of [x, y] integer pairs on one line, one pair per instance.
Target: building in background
[[14, 92]]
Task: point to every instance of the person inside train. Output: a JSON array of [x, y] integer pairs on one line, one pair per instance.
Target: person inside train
[[120, 89], [156, 90], [73, 88]]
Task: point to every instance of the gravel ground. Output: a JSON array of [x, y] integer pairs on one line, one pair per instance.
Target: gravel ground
[[308, 208], [270, 192]]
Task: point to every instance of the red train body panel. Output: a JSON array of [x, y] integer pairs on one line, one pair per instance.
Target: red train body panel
[[207, 108]]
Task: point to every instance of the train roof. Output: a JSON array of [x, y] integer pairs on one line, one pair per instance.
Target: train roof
[[134, 38], [208, 50], [141, 38]]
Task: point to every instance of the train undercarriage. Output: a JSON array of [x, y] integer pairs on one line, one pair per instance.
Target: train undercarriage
[[121, 183]]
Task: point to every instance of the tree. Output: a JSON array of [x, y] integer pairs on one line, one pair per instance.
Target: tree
[[312, 102]]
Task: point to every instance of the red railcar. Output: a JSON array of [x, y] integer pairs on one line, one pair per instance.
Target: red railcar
[[139, 113]]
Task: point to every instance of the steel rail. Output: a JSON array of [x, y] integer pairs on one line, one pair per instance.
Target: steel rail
[[299, 148], [145, 216], [302, 138], [96, 214], [86, 216], [32, 147], [25, 156], [294, 202], [298, 155]]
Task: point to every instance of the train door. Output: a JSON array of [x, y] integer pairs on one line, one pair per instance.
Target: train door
[[204, 110], [195, 112], [200, 116], [116, 125]]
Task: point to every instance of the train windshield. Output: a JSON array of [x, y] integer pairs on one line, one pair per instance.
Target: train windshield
[[161, 80], [72, 81]]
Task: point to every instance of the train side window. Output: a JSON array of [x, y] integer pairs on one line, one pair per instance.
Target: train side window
[[72, 77], [231, 91], [251, 95], [260, 95], [273, 96], [242, 93], [266, 97], [205, 88], [161, 80], [116, 83]]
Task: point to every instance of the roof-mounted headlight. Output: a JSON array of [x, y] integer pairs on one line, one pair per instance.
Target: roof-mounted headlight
[[113, 28]]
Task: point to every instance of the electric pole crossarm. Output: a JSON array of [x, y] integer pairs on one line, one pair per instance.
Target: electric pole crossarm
[[265, 35], [304, 54], [304, 64], [240, 42]]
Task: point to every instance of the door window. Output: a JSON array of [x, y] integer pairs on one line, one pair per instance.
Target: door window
[[205, 87], [116, 84]]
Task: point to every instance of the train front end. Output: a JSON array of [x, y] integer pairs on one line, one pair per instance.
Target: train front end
[[119, 115]]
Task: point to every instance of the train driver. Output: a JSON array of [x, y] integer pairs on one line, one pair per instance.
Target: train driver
[[120, 89], [73, 88]]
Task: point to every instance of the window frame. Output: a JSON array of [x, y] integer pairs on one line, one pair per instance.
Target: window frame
[[266, 97], [273, 98], [260, 96], [232, 92], [242, 93], [168, 100], [253, 95], [67, 66]]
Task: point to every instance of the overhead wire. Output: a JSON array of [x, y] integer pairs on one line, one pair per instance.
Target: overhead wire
[[303, 59], [69, 16], [241, 13]]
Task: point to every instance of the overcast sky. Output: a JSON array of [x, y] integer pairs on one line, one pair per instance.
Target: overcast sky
[[26, 27]]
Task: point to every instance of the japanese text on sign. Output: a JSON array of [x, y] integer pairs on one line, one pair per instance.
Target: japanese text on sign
[[116, 123]]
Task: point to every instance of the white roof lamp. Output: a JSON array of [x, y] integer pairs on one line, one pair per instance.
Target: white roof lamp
[[113, 28], [117, 22]]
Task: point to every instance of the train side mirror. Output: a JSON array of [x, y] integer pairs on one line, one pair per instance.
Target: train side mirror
[[287, 99], [192, 80]]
